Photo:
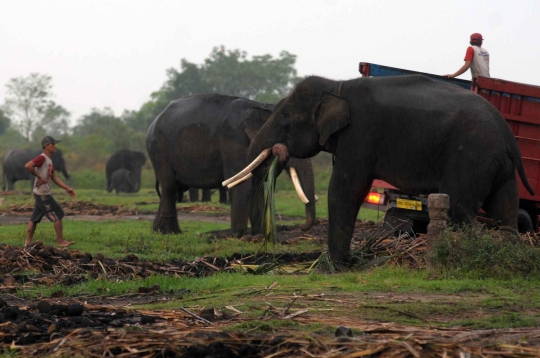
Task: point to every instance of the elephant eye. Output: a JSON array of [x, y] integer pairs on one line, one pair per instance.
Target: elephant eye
[[284, 114]]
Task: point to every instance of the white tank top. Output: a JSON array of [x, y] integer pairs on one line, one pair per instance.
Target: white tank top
[[44, 171], [480, 62]]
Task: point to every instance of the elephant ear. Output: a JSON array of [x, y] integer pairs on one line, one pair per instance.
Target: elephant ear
[[255, 118], [330, 115]]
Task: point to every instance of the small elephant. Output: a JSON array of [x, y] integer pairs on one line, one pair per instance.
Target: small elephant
[[420, 135], [126, 159], [199, 141], [14, 161], [122, 180]]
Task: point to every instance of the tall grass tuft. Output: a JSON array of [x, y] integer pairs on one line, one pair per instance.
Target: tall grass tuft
[[481, 253], [269, 213]]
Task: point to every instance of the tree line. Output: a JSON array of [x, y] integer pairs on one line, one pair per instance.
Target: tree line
[[30, 112]]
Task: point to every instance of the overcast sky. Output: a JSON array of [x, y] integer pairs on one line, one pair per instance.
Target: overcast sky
[[114, 53]]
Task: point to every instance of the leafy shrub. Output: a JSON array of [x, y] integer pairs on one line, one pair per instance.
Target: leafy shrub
[[483, 253]]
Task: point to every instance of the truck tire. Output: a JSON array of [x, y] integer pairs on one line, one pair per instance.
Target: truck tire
[[525, 223], [397, 223]]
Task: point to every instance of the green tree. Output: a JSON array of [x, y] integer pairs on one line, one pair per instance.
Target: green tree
[[4, 122], [101, 133], [261, 78], [231, 72], [29, 103]]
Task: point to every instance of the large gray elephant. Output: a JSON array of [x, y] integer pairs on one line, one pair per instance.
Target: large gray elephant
[[14, 161], [421, 135], [201, 140], [125, 159]]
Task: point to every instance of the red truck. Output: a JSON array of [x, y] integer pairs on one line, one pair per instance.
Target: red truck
[[518, 103]]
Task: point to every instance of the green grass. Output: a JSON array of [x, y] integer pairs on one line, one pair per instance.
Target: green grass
[[119, 238]]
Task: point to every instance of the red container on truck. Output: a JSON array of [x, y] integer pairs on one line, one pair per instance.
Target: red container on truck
[[518, 103]]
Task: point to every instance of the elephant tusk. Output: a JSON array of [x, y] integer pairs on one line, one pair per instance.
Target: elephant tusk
[[235, 183], [316, 198], [297, 186], [254, 164]]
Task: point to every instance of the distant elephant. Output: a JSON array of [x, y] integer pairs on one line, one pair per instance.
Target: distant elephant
[[122, 180], [420, 135], [201, 140], [129, 160], [14, 161], [207, 195]]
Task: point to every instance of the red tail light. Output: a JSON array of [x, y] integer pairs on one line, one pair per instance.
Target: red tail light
[[375, 198]]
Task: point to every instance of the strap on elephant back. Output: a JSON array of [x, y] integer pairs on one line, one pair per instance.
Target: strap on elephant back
[[335, 146]]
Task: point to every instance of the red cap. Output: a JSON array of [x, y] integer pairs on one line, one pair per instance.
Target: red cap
[[476, 37]]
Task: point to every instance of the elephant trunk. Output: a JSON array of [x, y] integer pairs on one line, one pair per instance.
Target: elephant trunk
[[257, 194], [136, 180]]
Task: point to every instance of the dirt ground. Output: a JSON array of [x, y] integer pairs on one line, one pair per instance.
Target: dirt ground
[[108, 326]]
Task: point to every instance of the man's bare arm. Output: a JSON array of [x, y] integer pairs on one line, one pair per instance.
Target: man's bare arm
[[463, 68], [62, 185]]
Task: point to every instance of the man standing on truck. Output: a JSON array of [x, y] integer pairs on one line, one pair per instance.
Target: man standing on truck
[[476, 58]]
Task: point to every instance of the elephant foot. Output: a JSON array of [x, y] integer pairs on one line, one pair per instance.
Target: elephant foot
[[166, 225], [341, 261]]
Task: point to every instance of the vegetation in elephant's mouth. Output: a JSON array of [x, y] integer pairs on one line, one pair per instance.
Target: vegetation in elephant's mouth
[[269, 214]]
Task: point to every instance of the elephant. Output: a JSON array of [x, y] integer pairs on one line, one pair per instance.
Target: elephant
[[199, 141], [122, 180], [130, 160], [420, 135], [14, 161], [207, 195]]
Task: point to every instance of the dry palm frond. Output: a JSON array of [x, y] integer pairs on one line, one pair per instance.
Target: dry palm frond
[[324, 263]]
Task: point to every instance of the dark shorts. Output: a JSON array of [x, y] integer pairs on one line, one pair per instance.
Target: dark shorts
[[46, 205]]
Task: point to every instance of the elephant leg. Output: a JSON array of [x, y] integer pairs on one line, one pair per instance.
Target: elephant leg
[[465, 199], [193, 194], [345, 196], [11, 184], [223, 195], [206, 195], [240, 207], [503, 205], [166, 220]]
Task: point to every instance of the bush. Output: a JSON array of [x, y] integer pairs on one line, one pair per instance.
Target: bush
[[483, 253]]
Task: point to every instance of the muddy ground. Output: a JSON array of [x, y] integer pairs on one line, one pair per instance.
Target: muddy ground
[[108, 326]]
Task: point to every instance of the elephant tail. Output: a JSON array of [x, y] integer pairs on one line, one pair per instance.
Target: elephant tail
[[157, 188], [518, 163]]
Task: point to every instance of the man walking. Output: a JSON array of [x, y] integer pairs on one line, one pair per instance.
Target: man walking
[[476, 58], [45, 205]]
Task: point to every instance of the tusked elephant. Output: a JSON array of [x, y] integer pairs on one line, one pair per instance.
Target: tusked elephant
[[201, 140], [125, 159], [421, 135], [14, 161], [122, 180]]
